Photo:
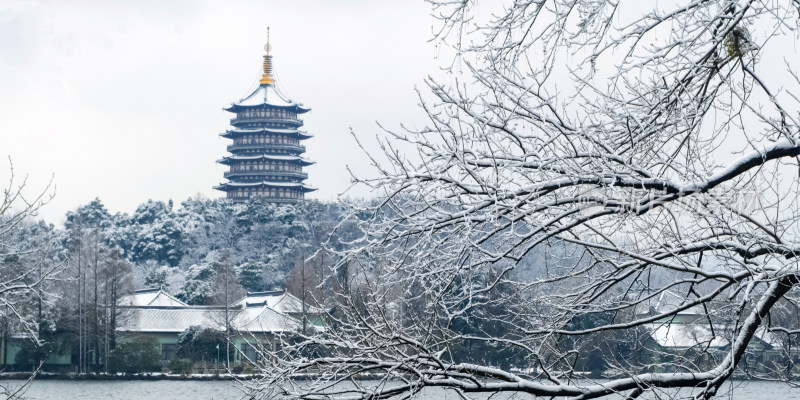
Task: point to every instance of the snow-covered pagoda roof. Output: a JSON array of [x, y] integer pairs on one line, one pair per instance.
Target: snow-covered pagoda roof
[[267, 96], [151, 297], [303, 161], [232, 133], [232, 185]]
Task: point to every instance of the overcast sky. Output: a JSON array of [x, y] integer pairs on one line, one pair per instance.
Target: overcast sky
[[123, 100]]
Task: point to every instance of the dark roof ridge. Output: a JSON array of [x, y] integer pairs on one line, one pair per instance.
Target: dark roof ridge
[[267, 292], [148, 290]]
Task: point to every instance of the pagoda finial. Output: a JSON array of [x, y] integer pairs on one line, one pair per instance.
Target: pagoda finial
[[267, 78]]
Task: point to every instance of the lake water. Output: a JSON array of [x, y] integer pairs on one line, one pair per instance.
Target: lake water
[[215, 390]]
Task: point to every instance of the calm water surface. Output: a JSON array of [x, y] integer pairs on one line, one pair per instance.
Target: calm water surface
[[201, 390]]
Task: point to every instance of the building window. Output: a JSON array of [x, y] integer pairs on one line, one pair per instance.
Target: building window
[[249, 353], [169, 351]]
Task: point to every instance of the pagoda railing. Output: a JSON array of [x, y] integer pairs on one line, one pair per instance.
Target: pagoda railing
[[267, 147], [267, 173], [262, 120], [269, 198]]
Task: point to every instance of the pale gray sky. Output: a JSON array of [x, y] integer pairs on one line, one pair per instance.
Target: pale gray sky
[[123, 100]]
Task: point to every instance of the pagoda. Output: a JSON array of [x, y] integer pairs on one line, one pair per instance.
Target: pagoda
[[266, 154]]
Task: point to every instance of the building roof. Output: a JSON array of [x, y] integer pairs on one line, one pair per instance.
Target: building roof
[[265, 319], [167, 319], [256, 313], [267, 95], [278, 300], [178, 319], [151, 297], [684, 336], [303, 161]]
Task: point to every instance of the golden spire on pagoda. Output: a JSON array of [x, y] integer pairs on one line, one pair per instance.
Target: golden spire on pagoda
[[267, 78]]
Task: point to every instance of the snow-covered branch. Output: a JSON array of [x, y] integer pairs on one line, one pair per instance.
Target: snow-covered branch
[[604, 190]]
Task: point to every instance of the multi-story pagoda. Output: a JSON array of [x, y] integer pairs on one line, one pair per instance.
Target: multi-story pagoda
[[266, 152]]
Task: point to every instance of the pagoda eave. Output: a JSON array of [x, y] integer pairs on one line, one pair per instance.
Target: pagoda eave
[[231, 134], [225, 187], [232, 159], [267, 96], [295, 108]]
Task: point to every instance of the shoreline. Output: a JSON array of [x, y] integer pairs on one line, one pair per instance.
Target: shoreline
[[159, 376], [151, 376]]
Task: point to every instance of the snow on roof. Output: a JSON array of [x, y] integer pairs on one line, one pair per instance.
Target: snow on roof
[[265, 319], [270, 298], [178, 319], [682, 335], [156, 311], [167, 319], [266, 94], [277, 300], [150, 297], [773, 340]]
